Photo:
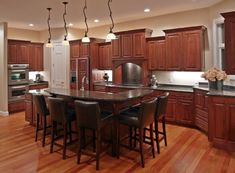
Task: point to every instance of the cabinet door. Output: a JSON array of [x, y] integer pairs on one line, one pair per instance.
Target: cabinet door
[[174, 51], [73, 65], [229, 45], [84, 50], [102, 57], [83, 70], [139, 45], [39, 57], [160, 54], [151, 53], [74, 50], [126, 45], [116, 47], [231, 121], [108, 57], [12, 51], [23, 53], [192, 50], [171, 109], [185, 111]]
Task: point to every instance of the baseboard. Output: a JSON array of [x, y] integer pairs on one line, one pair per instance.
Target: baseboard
[[3, 113]]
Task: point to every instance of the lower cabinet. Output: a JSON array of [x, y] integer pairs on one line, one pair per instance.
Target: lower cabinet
[[221, 130]]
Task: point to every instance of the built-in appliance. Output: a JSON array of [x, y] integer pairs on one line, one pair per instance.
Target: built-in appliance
[[18, 74], [18, 81], [131, 74], [17, 92]]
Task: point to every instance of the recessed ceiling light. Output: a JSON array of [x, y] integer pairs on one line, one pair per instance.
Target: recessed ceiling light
[[96, 20], [32, 25], [70, 24], [146, 10]]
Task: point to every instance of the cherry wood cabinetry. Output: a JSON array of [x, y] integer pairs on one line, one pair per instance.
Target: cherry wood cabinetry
[[130, 44], [105, 59], [221, 130], [38, 86], [156, 53], [185, 48], [201, 109], [229, 42], [18, 52], [84, 50], [36, 57]]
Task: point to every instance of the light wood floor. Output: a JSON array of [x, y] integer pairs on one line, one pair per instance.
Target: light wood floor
[[188, 151]]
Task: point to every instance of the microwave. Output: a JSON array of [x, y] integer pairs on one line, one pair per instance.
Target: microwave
[[18, 74]]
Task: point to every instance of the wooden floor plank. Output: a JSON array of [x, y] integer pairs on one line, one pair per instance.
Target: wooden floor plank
[[188, 151]]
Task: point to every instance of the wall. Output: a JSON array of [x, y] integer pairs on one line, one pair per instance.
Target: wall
[[3, 70], [23, 34]]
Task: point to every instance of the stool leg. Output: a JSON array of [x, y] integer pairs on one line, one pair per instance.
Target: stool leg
[[141, 146], [44, 130], [118, 140], [70, 132], [98, 143], [37, 127], [164, 129], [135, 134], [94, 146], [79, 146], [65, 140], [130, 139], [157, 136], [52, 136], [83, 138], [152, 140]]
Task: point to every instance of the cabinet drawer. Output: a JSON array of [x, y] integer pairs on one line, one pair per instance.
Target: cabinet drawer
[[41, 86], [201, 114], [100, 88], [201, 124]]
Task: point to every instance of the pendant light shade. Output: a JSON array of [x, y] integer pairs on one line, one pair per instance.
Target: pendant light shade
[[65, 42], [111, 35], [85, 39], [49, 44]]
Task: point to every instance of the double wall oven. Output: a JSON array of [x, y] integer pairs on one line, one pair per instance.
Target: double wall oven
[[18, 81]]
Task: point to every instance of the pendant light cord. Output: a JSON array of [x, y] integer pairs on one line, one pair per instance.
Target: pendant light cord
[[111, 15], [85, 17], [65, 24], [48, 23]]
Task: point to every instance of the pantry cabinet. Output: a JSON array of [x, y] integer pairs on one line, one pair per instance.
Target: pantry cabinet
[[105, 59]]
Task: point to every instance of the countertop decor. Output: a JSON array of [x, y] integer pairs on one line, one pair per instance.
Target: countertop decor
[[215, 77]]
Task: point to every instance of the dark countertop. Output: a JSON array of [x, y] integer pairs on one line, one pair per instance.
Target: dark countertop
[[39, 91], [229, 91], [100, 96], [38, 83]]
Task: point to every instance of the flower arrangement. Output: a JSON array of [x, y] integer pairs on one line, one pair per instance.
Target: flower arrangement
[[214, 74]]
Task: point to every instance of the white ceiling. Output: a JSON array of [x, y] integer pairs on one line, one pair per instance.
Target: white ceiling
[[20, 13]]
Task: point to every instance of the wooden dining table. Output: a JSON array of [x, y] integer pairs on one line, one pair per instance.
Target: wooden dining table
[[114, 101]]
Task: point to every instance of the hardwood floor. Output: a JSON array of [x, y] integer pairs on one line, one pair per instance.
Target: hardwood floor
[[188, 151]]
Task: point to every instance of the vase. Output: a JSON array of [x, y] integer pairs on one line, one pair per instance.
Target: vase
[[216, 85]]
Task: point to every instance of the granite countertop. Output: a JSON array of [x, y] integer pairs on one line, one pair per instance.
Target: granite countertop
[[100, 96], [38, 83], [229, 91], [39, 91]]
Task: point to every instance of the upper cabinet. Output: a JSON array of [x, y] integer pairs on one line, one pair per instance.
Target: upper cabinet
[[105, 59], [36, 57], [130, 44], [229, 42], [18, 52], [185, 49], [25, 52], [156, 53]]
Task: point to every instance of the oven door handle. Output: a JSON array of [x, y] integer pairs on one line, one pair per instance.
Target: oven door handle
[[17, 71], [19, 87]]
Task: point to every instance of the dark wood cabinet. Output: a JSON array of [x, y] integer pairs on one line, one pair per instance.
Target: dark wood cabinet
[[36, 57], [84, 50], [222, 122], [185, 48], [74, 50], [130, 44], [73, 65], [229, 24], [127, 46], [18, 52], [105, 59], [38, 86], [156, 53], [201, 109], [83, 70], [171, 109]]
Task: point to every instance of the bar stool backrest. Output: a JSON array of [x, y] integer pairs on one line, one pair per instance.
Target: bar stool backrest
[[57, 108], [40, 104], [161, 105]]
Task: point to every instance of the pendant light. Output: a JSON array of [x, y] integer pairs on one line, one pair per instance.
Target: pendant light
[[111, 35], [65, 42], [85, 39], [49, 44]]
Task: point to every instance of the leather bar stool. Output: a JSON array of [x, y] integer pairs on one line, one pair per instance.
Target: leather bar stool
[[89, 116], [63, 117], [42, 113], [160, 115], [143, 118]]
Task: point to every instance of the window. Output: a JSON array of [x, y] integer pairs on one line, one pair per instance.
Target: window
[[218, 40]]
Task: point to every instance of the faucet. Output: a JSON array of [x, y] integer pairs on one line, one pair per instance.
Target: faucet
[[83, 83]]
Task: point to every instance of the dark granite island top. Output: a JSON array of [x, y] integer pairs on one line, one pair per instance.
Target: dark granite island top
[[100, 96]]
